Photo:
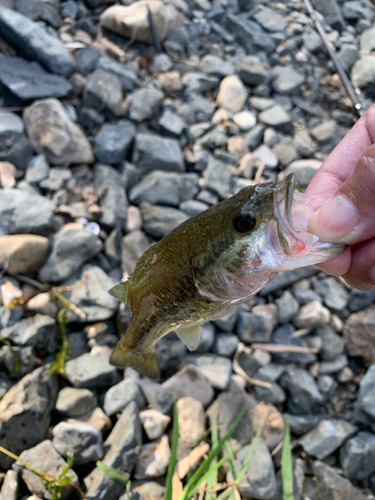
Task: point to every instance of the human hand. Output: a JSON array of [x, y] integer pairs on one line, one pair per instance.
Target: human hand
[[343, 192]]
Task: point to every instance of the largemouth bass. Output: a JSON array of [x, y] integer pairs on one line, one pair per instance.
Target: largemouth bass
[[206, 267]]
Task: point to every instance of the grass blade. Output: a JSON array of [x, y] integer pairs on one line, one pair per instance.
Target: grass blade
[[287, 465], [173, 459], [211, 456], [117, 475], [212, 477]]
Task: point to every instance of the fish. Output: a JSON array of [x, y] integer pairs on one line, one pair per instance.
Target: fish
[[210, 264]]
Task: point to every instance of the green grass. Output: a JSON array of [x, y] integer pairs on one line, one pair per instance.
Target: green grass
[[287, 465]]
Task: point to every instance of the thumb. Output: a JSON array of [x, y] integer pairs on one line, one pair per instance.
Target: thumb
[[349, 215]]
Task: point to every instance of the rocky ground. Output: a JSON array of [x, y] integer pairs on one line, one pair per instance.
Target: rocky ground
[[109, 138]]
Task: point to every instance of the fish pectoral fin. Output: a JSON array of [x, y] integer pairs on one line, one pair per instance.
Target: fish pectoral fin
[[144, 361], [190, 335], [120, 292]]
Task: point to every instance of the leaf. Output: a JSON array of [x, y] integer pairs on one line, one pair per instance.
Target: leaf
[[287, 465]]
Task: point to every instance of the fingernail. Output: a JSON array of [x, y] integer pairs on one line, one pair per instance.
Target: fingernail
[[335, 220]]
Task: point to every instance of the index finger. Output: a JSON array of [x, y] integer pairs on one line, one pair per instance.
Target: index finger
[[343, 159]]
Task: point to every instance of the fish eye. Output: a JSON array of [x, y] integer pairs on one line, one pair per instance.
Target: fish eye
[[244, 223]]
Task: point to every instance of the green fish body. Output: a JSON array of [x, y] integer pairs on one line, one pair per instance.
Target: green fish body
[[211, 263]]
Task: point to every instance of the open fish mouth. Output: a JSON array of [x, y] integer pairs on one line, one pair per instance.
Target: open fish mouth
[[292, 211]]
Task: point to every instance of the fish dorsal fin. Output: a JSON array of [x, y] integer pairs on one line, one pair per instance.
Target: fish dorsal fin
[[190, 335], [121, 292]]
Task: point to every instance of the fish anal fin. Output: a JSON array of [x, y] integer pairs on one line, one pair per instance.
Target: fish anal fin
[[144, 361], [120, 292], [190, 335]]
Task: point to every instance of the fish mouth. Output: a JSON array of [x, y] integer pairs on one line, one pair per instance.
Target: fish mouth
[[292, 211]]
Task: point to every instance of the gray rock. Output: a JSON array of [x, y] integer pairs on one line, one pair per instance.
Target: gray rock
[[145, 103], [10, 487], [199, 82], [367, 41], [332, 486], [158, 396], [213, 139], [37, 170], [215, 65], [327, 133], [171, 124], [87, 60], [327, 437], [287, 307], [312, 40], [190, 381], [252, 71], [84, 441], [152, 152], [192, 207], [225, 344], [120, 395], [165, 188], [284, 336], [207, 337], [269, 19], [72, 402], [354, 10], [348, 55], [217, 178], [92, 295], [5, 385], [254, 137], [29, 81], [26, 411], [249, 34], [363, 74], [287, 278], [159, 221], [37, 331], [9, 367], [14, 146], [359, 300], [301, 424], [274, 394], [103, 92], [133, 246], [126, 77], [54, 134], [35, 42], [254, 327], [359, 334], [364, 408], [72, 247], [259, 480], [9, 316], [44, 457], [91, 372], [306, 296], [216, 369], [332, 344], [113, 142], [109, 186], [58, 179], [304, 393], [357, 456], [331, 12], [228, 322], [286, 79], [203, 109], [77, 343], [312, 315], [326, 384], [303, 169], [275, 116]]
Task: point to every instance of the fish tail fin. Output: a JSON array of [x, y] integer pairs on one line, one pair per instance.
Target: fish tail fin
[[144, 361]]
